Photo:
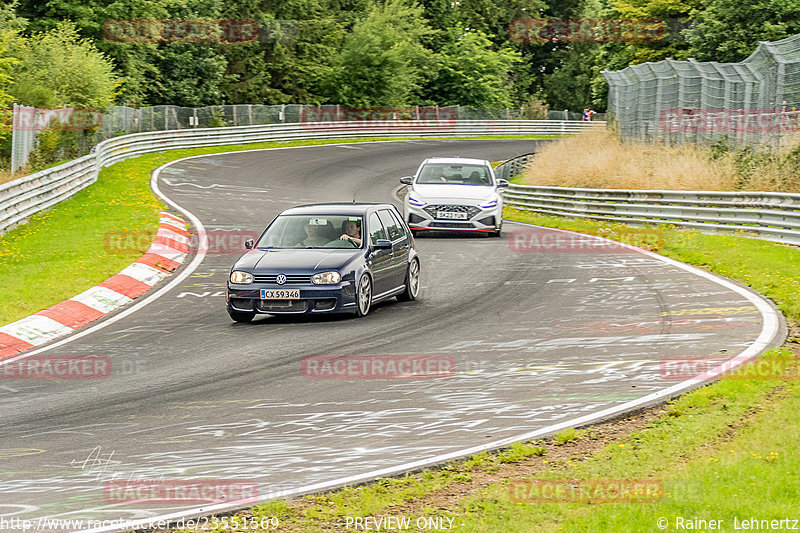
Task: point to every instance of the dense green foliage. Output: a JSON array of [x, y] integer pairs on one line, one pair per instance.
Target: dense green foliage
[[358, 52], [58, 68]]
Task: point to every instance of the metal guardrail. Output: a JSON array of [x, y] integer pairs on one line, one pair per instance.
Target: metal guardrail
[[765, 215], [28, 195], [513, 167], [21, 198]]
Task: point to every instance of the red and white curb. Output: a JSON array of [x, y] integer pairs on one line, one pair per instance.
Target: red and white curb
[[168, 251]]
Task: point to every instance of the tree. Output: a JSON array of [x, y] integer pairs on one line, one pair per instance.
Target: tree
[[189, 73], [9, 20], [7, 63], [58, 68], [574, 77], [674, 15], [471, 73], [133, 62], [302, 40], [569, 86], [382, 61], [729, 30], [152, 71]]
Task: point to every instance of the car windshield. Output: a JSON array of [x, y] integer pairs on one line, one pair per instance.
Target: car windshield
[[439, 173], [313, 231]]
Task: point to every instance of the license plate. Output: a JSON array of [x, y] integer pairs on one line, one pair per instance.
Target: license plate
[[280, 294], [452, 215]]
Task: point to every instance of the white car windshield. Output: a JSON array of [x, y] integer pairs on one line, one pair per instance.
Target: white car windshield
[[437, 173], [313, 231]]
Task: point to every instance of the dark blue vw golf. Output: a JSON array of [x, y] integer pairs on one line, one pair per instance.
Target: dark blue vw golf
[[325, 258]]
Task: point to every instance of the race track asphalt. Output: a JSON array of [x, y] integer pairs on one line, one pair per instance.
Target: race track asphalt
[[537, 339]]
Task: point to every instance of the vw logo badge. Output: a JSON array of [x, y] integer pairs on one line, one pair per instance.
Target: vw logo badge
[[281, 279]]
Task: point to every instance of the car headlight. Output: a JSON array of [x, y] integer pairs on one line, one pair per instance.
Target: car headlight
[[487, 205], [241, 278], [326, 278], [415, 201]]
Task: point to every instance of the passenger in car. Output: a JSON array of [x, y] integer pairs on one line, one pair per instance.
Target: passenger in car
[[314, 235]]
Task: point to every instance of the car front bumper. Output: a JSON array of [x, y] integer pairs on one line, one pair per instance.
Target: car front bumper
[[477, 218], [314, 299]]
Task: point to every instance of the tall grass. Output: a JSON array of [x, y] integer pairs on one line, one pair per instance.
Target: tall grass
[[6, 176], [601, 160]]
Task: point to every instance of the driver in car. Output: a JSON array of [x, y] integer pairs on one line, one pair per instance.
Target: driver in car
[[352, 232]]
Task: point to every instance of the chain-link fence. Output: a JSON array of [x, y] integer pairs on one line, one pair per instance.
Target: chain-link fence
[[755, 101], [22, 139], [119, 120], [72, 133]]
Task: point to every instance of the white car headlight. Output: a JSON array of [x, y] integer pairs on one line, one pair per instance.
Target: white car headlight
[[490, 203], [326, 278], [241, 278]]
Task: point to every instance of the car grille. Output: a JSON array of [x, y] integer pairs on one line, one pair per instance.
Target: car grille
[[471, 211], [290, 278], [282, 306], [465, 225]]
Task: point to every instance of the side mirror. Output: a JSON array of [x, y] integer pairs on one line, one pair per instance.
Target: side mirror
[[382, 244], [407, 180], [249, 243], [502, 183]]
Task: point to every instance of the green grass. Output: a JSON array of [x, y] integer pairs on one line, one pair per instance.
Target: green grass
[[60, 253], [520, 451], [565, 436]]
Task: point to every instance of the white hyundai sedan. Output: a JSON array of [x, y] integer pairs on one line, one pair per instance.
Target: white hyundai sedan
[[454, 194]]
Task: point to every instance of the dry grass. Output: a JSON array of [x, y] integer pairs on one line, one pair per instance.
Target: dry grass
[[5, 176], [600, 160]]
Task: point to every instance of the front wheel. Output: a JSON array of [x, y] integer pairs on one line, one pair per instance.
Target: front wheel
[[363, 295], [242, 317], [412, 282]]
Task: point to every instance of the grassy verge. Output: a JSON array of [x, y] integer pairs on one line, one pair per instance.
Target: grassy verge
[[724, 452], [60, 253]]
